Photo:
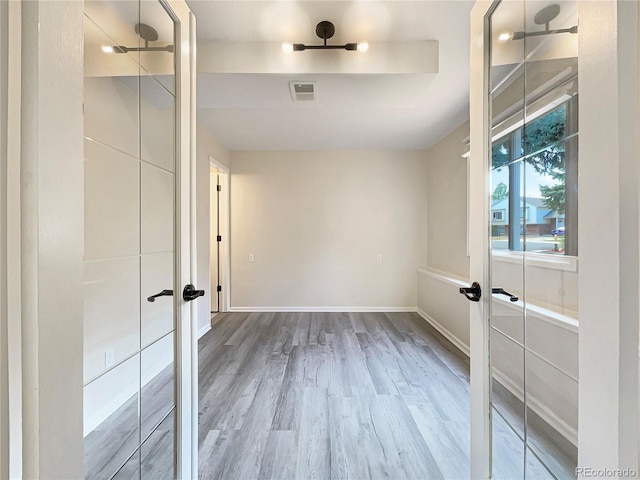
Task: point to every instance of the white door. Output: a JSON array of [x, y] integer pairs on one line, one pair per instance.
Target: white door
[[215, 237], [138, 335], [524, 322]]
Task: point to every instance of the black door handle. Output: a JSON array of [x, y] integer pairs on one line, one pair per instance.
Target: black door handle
[[502, 291], [190, 293], [163, 293], [472, 293]]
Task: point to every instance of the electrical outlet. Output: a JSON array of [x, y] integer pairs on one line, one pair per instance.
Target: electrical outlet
[[252, 258], [379, 259], [109, 358]]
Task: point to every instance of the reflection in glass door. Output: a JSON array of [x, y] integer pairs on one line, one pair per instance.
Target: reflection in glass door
[[533, 239], [130, 185]]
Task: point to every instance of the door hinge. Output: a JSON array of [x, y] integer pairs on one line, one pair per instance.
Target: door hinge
[[219, 289], [219, 188], [219, 238]]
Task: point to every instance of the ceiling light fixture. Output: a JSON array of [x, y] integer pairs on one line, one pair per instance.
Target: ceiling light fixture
[[543, 17], [148, 34], [325, 30]]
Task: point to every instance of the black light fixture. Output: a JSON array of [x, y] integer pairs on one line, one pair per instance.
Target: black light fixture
[[145, 32], [325, 30], [543, 17]]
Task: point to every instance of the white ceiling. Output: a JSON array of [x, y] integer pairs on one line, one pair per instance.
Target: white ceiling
[[409, 111]]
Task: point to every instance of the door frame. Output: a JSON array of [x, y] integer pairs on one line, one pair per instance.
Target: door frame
[[185, 241], [479, 224], [608, 330], [45, 232], [224, 209]]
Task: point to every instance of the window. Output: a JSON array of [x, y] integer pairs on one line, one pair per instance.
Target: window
[[534, 173]]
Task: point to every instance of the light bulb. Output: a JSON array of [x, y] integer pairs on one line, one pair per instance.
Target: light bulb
[[363, 47], [287, 47], [504, 37], [107, 49]]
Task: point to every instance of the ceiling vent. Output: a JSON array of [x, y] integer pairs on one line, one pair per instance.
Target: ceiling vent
[[304, 91]]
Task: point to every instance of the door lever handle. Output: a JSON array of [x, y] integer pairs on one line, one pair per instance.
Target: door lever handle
[[190, 293], [502, 291], [472, 293], [163, 293]]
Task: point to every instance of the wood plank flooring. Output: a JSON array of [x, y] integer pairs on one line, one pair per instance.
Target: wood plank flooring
[[331, 396], [325, 396]]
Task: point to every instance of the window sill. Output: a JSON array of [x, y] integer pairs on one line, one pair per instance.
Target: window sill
[[554, 262]]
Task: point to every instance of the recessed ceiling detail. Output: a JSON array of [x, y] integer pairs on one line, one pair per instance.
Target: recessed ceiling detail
[[409, 89], [303, 91]]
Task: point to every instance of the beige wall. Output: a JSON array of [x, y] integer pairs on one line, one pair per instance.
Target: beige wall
[[206, 145], [447, 204], [551, 287], [316, 222]]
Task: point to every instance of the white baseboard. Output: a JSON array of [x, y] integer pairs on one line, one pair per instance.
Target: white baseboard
[[562, 427], [446, 333], [323, 309], [203, 330]]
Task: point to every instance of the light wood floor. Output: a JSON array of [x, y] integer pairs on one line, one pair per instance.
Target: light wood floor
[[326, 396], [331, 396]]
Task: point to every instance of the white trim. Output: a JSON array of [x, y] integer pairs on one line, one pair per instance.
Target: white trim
[[477, 231], [555, 422], [122, 396], [116, 401], [467, 158], [4, 236], [444, 277], [52, 238], [563, 321], [538, 113], [190, 43], [185, 242], [324, 309], [566, 322], [562, 427], [220, 166], [459, 344], [556, 262], [14, 307], [203, 331], [225, 255]]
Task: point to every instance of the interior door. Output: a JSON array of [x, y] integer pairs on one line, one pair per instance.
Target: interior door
[[134, 249], [216, 236], [532, 260]]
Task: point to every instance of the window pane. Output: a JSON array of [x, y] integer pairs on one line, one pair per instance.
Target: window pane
[[530, 164]]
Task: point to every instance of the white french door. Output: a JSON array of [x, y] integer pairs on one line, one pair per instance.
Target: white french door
[[524, 239], [138, 341]]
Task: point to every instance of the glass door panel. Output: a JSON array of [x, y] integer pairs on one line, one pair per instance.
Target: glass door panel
[[130, 307], [507, 328], [550, 156], [534, 222]]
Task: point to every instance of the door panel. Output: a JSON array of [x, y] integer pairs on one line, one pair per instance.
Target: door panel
[[131, 293], [215, 230], [533, 246]]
